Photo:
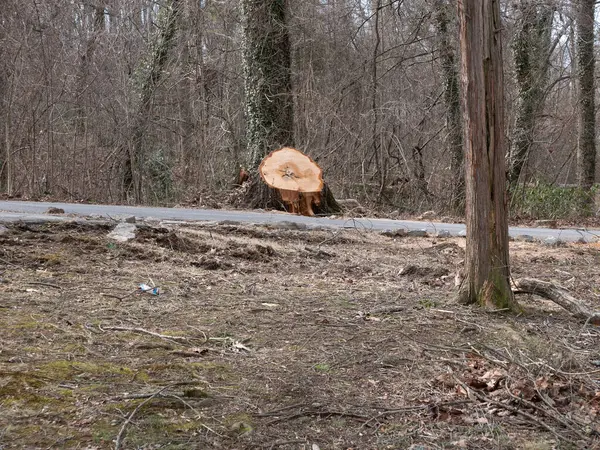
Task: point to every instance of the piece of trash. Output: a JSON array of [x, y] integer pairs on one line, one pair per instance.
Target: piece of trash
[[144, 288]]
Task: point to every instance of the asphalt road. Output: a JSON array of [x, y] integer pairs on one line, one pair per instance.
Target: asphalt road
[[11, 211]]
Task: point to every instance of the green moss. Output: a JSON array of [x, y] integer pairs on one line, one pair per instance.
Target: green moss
[[28, 325], [23, 388], [74, 348], [25, 431], [496, 293], [103, 432], [322, 367], [51, 259], [239, 424], [195, 369], [195, 393], [63, 369], [427, 303], [32, 349]]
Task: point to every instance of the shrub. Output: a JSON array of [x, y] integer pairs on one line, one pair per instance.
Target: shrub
[[547, 201]]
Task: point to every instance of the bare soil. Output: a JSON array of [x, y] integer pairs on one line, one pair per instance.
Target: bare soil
[[285, 339]]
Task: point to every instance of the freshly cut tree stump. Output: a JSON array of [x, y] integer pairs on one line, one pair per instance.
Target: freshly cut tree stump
[[298, 179], [558, 295]]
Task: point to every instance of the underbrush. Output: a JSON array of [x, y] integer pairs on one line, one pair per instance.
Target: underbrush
[[547, 201]]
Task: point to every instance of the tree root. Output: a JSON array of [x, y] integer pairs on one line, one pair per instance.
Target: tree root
[[558, 295]]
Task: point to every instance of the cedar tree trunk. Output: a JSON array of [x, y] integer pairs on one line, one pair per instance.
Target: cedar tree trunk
[[487, 271]]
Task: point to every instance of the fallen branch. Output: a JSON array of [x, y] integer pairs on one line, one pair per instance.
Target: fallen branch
[[558, 295], [8, 262], [121, 297], [133, 413], [387, 310], [320, 413], [42, 283], [551, 414], [483, 398], [147, 332]]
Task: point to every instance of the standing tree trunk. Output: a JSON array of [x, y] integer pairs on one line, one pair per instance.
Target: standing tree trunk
[[150, 73], [267, 78], [5, 117], [268, 90], [487, 270], [86, 58], [269, 100], [531, 51], [375, 136], [586, 143], [452, 99]]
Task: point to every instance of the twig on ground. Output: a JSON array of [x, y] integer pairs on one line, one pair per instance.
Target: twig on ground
[[556, 417], [285, 442], [483, 398], [122, 297], [121, 434], [43, 283], [206, 427], [387, 310], [407, 409], [8, 262], [111, 296], [319, 413], [280, 410], [178, 339], [334, 234]]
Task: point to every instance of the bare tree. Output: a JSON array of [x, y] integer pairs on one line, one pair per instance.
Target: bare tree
[[149, 75], [5, 165], [487, 265], [86, 59], [586, 143], [531, 50], [373, 85], [452, 99]]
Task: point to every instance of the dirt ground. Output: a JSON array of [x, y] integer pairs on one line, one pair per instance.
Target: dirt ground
[[273, 338]]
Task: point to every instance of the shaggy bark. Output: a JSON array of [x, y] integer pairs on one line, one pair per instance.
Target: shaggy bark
[[487, 270], [4, 124]]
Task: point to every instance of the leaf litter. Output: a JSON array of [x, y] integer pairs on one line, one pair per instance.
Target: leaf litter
[[284, 338]]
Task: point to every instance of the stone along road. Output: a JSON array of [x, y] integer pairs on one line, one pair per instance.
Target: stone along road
[[11, 211]]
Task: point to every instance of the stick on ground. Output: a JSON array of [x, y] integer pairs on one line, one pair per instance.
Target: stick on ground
[[133, 413], [558, 295]]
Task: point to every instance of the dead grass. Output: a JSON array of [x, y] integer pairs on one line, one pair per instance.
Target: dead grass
[[269, 338]]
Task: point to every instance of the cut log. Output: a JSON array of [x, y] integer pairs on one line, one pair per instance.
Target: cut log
[[558, 295], [296, 176]]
